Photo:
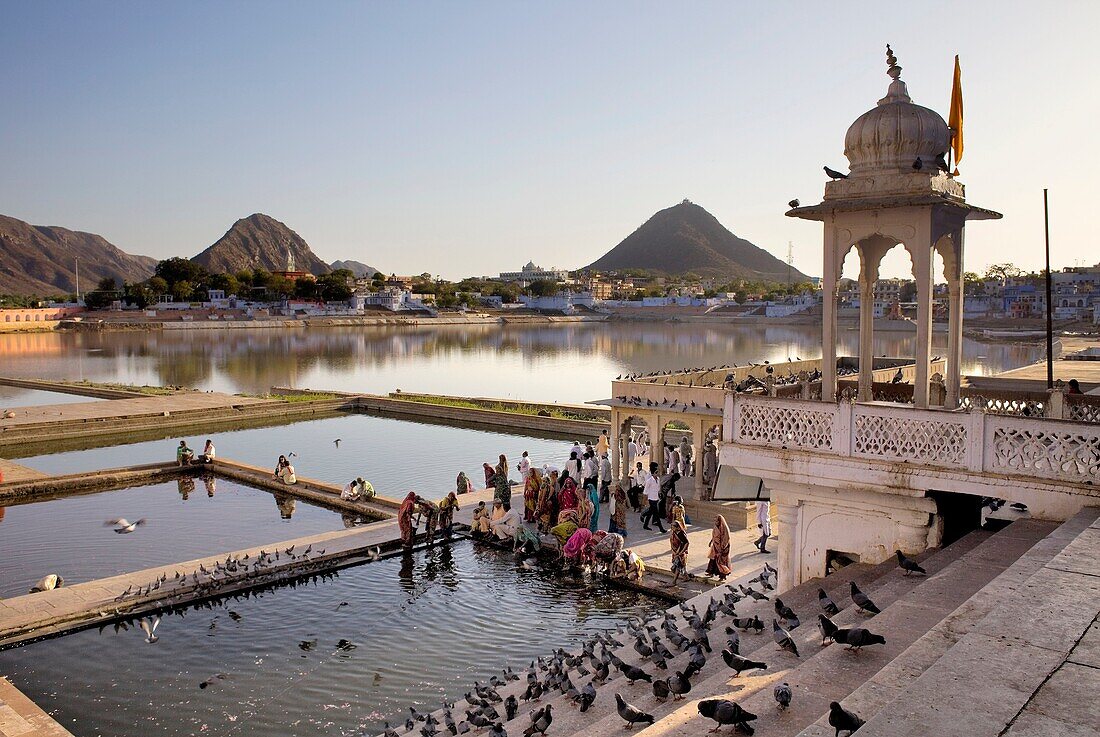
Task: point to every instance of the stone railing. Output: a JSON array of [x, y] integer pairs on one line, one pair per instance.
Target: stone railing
[[1081, 408], [977, 442]]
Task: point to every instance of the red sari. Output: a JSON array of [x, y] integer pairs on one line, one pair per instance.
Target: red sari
[[567, 497], [405, 517]]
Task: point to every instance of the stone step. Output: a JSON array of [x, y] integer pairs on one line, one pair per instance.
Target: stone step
[[803, 599], [893, 680], [910, 606], [1030, 666]]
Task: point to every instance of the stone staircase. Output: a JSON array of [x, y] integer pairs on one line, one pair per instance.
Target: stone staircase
[[996, 632]]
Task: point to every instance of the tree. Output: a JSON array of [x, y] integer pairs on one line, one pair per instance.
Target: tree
[[335, 286], [178, 269], [280, 287], [183, 290], [157, 286], [225, 282], [306, 289], [139, 295], [543, 288], [1002, 272], [107, 284]]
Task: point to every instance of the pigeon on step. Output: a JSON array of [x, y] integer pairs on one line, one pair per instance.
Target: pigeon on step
[[843, 720], [910, 566], [860, 600]]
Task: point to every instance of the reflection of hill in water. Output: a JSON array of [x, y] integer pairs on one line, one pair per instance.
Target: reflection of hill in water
[[360, 358]]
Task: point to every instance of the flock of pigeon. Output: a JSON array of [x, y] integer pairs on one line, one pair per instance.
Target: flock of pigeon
[[656, 643]]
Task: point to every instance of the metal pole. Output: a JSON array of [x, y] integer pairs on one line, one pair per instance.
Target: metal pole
[[1050, 305]]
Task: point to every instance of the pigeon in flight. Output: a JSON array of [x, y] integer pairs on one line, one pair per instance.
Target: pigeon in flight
[[149, 626], [631, 714], [123, 526]]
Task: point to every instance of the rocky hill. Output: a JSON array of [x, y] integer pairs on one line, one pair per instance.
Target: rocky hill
[[686, 238], [358, 268], [259, 241], [41, 259]]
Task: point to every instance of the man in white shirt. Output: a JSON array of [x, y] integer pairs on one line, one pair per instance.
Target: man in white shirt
[[591, 471], [631, 452], [524, 467], [573, 467], [637, 483], [605, 478], [577, 449], [653, 496]]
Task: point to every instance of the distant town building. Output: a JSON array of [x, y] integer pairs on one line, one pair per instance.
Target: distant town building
[[530, 273], [292, 273]]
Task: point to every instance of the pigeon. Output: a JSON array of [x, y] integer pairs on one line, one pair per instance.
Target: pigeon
[[834, 174], [586, 697], [635, 674], [660, 690], [630, 714], [786, 613], [726, 712], [857, 637], [918, 164], [149, 625], [738, 664], [782, 694], [336, 442], [374, 555], [388, 731], [749, 623], [533, 692], [498, 731], [793, 203], [860, 600], [511, 706], [123, 526], [540, 721], [48, 582], [783, 639], [641, 648], [828, 629], [843, 720], [679, 685], [910, 566], [213, 679], [827, 604]]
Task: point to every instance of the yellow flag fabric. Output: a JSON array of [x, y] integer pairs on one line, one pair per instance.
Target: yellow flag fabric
[[955, 119]]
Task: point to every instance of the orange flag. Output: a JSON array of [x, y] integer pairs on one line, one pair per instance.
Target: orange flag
[[955, 118]]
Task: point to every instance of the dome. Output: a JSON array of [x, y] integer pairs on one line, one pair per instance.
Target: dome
[[890, 137]]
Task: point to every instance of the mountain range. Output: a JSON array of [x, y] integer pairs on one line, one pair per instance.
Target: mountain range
[[685, 238], [42, 259]]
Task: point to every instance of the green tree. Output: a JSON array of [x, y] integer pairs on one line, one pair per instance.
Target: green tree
[[157, 286], [139, 295], [228, 283], [1001, 272], [306, 289], [543, 288], [335, 286], [183, 290], [279, 287], [178, 269]]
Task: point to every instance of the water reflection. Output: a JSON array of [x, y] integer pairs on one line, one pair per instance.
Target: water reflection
[[572, 362]]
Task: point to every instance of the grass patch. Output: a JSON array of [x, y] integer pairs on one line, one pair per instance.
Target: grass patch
[[512, 408]]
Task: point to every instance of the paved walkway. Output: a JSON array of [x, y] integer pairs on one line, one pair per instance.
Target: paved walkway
[[10, 471], [21, 717], [122, 408]]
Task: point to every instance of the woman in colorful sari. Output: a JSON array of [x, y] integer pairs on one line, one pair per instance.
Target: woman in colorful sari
[[490, 473], [544, 508], [531, 489], [430, 512], [447, 509], [405, 519], [677, 511], [616, 508], [567, 497], [567, 525], [719, 554], [555, 498], [594, 503], [678, 541], [527, 540], [574, 550], [480, 523], [500, 481], [607, 550], [462, 485], [584, 511]]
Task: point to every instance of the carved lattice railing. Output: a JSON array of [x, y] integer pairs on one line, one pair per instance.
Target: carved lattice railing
[[1019, 404], [1082, 408], [1064, 450]]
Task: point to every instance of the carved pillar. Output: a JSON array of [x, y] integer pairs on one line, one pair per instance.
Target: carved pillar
[[956, 294], [657, 445], [921, 253], [789, 562], [828, 315], [616, 445], [866, 335]]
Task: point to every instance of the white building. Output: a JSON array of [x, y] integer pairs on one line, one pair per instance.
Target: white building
[[531, 273]]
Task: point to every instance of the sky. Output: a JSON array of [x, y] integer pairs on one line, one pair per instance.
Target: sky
[[466, 138]]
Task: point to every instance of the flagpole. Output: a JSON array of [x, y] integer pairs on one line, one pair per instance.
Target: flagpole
[[1050, 306]]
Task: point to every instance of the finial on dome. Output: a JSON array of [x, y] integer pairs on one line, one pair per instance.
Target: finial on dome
[[897, 91], [892, 68]]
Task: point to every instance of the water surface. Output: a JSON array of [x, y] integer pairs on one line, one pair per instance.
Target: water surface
[[17, 396], [425, 626], [561, 362], [185, 520]]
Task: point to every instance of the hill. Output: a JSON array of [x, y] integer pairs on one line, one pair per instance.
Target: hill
[[41, 259], [259, 241], [686, 238], [358, 268]]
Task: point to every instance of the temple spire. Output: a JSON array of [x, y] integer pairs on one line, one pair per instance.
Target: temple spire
[[897, 91]]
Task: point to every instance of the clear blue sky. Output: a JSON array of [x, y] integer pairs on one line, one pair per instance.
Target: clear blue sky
[[468, 137]]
